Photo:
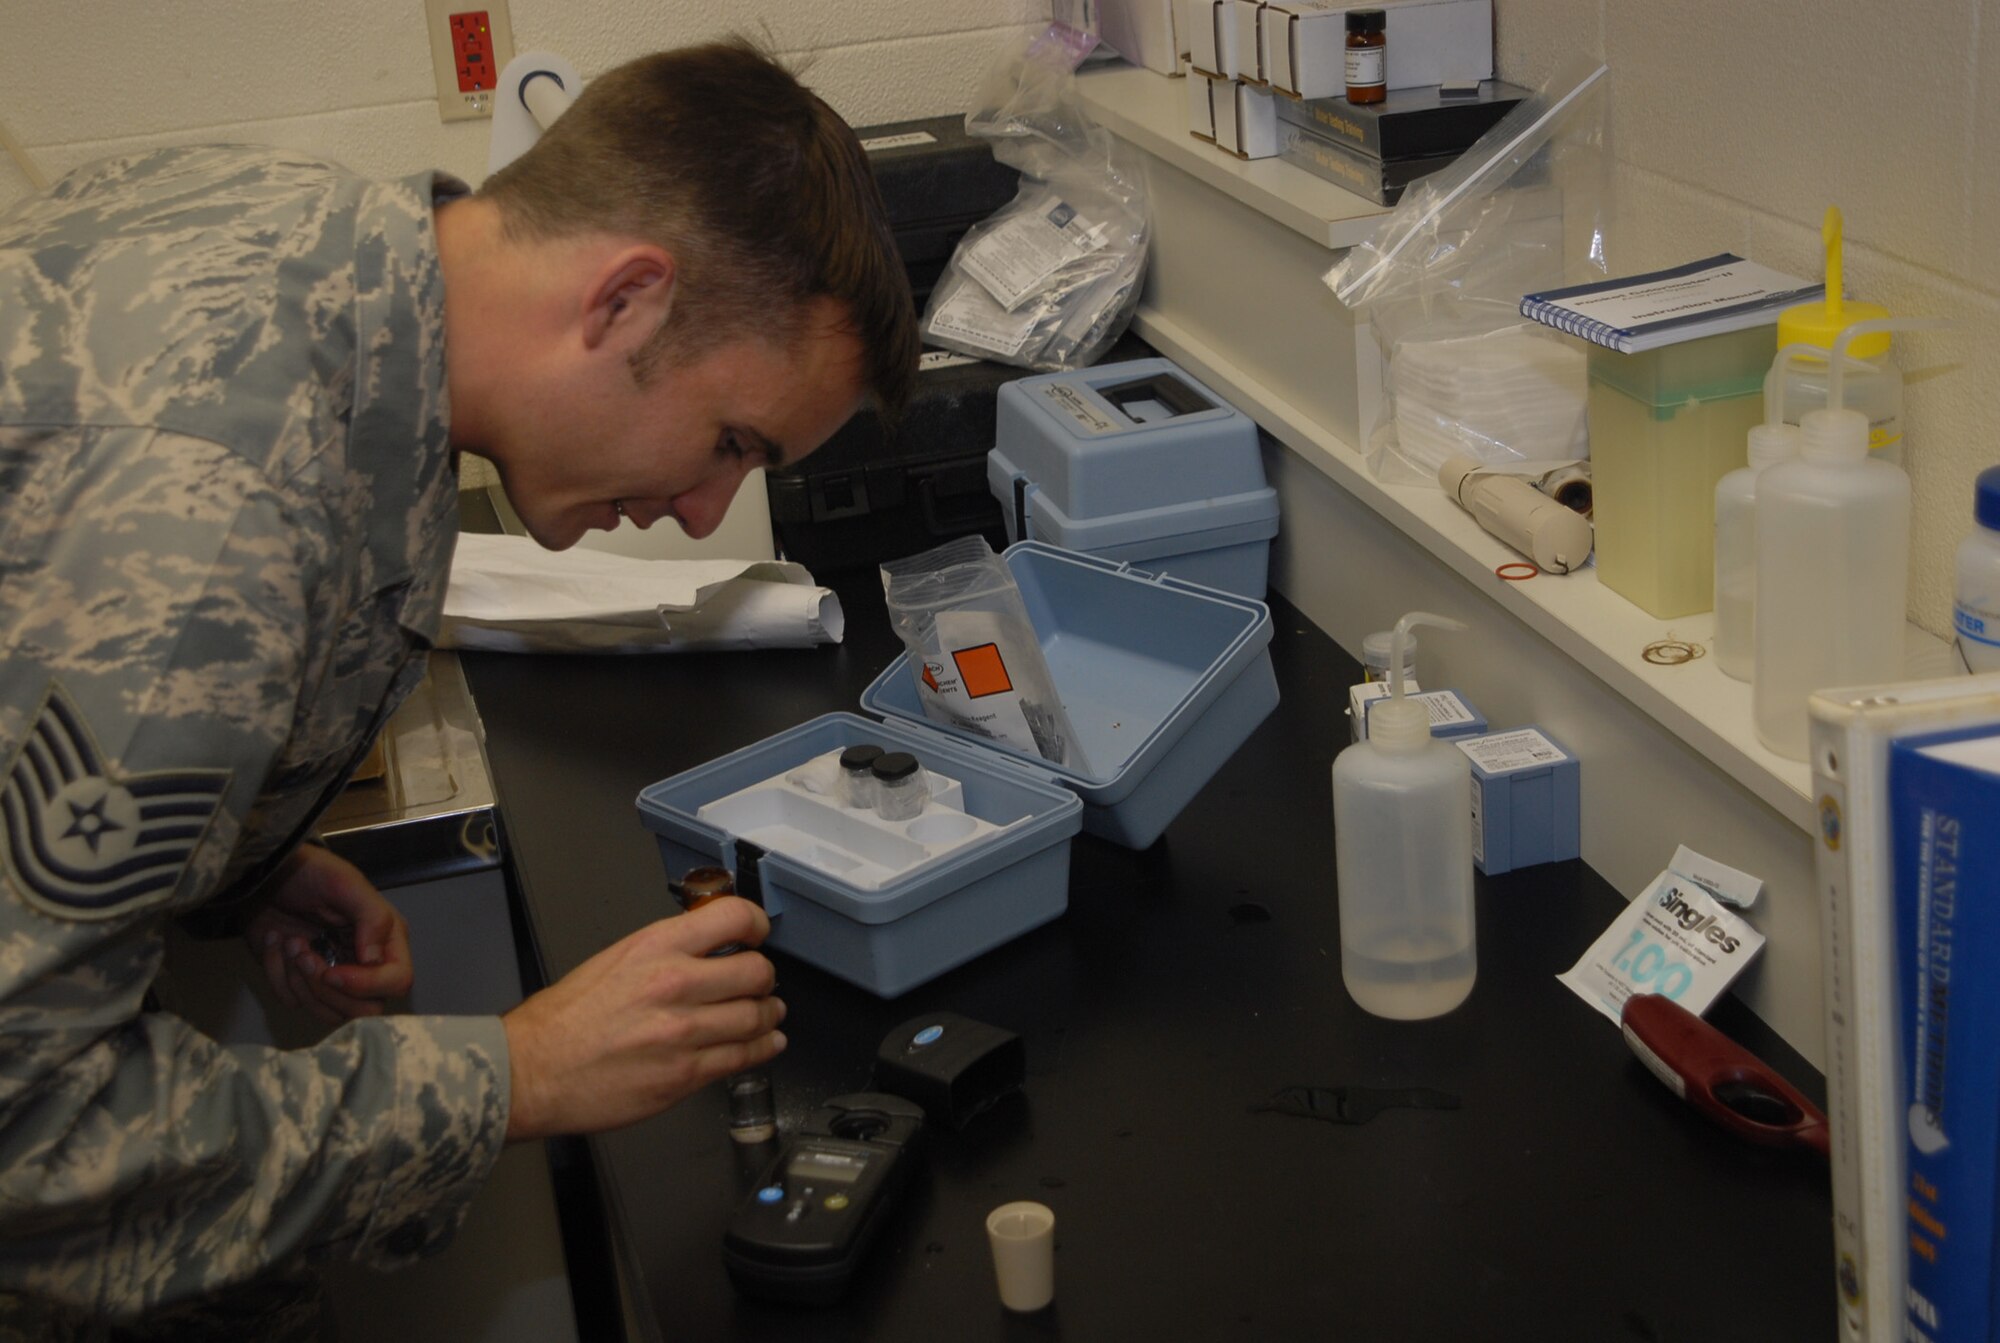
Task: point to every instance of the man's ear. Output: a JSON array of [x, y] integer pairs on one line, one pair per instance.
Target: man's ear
[[629, 298]]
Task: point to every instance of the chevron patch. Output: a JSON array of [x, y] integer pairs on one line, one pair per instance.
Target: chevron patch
[[82, 842]]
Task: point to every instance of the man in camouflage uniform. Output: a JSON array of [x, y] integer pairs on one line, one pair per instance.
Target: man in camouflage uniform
[[227, 507]]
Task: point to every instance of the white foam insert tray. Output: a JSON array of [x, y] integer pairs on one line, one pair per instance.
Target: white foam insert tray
[[800, 814]]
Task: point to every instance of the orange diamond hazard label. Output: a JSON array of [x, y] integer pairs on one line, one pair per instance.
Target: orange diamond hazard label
[[981, 670]]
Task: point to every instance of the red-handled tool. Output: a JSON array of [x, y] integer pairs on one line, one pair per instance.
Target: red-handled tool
[[1719, 1077]]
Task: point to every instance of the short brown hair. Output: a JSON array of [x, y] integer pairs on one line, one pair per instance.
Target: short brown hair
[[757, 187]]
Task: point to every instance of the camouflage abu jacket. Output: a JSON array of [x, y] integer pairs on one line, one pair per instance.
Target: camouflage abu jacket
[[227, 509]]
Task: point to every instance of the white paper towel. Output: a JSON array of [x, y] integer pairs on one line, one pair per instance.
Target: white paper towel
[[507, 594]]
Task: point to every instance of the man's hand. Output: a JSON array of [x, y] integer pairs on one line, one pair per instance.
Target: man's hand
[[320, 904], [644, 1023]]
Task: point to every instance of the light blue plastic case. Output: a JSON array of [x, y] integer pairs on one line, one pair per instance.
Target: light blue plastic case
[[1136, 462], [1162, 680]]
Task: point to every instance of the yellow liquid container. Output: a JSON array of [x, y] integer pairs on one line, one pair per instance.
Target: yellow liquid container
[[1665, 426]]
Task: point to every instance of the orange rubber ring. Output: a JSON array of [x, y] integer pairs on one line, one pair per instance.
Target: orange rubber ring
[[1532, 571]]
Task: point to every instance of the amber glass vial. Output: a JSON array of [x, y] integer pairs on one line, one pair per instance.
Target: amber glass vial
[[1367, 56]]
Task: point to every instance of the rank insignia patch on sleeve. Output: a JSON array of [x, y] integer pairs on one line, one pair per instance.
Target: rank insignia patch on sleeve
[[82, 842]]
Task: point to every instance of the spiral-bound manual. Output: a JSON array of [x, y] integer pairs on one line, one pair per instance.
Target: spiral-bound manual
[[1643, 312]]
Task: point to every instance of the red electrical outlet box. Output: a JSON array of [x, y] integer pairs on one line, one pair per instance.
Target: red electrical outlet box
[[472, 51]]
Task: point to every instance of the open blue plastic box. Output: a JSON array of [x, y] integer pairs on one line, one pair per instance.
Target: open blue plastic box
[[1162, 681]]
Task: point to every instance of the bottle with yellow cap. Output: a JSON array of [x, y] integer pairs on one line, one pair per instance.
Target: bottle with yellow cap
[[1873, 382]]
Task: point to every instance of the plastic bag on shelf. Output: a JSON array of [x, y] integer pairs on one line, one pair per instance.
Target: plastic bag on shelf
[[1051, 280], [1440, 283]]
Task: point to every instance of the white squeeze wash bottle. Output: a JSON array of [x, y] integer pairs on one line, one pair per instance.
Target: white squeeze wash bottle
[[1833, 548], [1402, 830]]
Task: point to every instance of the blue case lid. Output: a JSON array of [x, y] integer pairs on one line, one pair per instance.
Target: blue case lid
[[1138, 658], [1120, 439]]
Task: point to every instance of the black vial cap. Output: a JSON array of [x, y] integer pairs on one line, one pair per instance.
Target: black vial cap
[[855, 759], [895, 765]]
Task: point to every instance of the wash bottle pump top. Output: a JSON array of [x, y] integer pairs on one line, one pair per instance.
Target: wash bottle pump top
[[1833, 546], [1402, 821], [1976, 606], [1874, 384]]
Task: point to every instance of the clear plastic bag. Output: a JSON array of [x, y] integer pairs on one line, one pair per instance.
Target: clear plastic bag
[[1050, 281], [973, 651], [1527, 208]]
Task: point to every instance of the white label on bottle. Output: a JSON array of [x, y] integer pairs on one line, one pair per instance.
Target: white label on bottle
[[1978, 636], [1500, 752], [1675, 940], [1979, 626], [1366, 67], [1024, 249], [1885, 433]]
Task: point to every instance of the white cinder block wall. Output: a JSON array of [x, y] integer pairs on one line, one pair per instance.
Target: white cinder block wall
[[1735, 125], [351, 79]]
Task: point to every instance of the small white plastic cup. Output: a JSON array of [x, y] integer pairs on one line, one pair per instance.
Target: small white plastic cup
[[1023, 1236]]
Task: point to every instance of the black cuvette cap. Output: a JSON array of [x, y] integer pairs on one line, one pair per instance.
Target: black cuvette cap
[[895, 765], [858, 758]]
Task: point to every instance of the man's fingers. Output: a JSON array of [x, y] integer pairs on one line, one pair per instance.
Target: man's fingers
[[371, 982], [735, 1021], [726, 1060], [308, 995], [382, 938], [321, 986], [717, 924], [746, 974]]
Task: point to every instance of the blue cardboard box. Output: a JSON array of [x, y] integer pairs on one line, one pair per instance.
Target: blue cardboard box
[[1525, 795], [1452, 715]]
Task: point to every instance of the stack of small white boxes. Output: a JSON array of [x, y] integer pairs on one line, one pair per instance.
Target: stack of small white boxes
[[1241, 54]]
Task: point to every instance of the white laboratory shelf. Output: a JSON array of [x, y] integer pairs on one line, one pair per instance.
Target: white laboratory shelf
[[1600, 630], [1263, 331], [1150, 110]]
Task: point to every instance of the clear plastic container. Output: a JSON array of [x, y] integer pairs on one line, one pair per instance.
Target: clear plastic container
[[1736, 548], [1665, 426], [1871, 382], [1833, 545], [900, 787], [857, 776], [1375, 651], [1402, 807], [1874, 387], [1976, 605]]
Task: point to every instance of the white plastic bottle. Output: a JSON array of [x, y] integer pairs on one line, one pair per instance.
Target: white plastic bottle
[[1833, 546], [1976, 607], [1402, 822], [1736, 548]]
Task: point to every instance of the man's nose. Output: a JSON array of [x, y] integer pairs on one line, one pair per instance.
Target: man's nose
[[701, 510]]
